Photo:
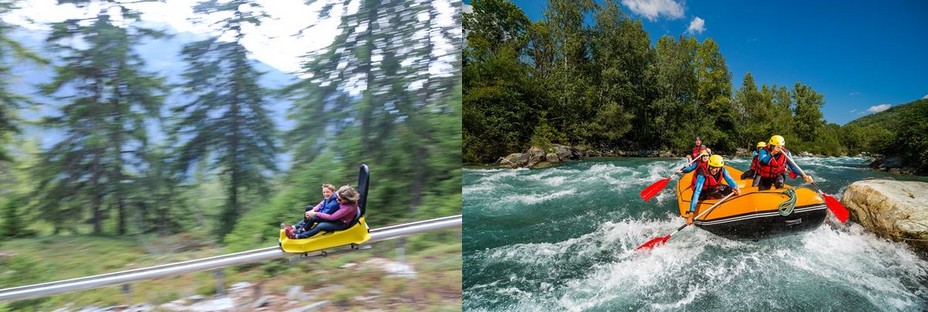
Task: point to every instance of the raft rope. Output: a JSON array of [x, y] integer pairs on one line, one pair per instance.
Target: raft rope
[[786, 207]]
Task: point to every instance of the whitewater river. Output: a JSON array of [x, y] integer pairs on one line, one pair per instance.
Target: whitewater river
[[563, 239]]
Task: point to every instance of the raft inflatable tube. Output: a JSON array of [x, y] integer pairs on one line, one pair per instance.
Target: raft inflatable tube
[[755, 214]]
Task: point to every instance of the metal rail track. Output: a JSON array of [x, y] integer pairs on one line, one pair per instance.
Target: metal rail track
[[251, 256]]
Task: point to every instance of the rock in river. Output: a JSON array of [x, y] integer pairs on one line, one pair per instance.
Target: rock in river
[[897, 210]]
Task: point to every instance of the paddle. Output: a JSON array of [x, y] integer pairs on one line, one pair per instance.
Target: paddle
[[656, 187], [657, 241], [836, 207]]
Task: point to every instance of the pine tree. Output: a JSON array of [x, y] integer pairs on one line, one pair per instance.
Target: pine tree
[[10, 50], [376, 89], [103, 118], [227, 123]]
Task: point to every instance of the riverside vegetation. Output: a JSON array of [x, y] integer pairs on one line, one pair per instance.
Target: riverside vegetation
[[588, 76]]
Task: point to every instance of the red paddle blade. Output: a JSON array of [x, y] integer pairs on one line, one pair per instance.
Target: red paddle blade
[[836, 207], [652, 190], [654, 242]]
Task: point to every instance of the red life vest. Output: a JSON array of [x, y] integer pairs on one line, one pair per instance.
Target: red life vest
[[698, 149], [701, 166], [775, 167], [755, 163], [711, 182]]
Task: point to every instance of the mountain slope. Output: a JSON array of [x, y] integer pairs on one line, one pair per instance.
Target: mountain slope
[[892, 117], [161, 56]]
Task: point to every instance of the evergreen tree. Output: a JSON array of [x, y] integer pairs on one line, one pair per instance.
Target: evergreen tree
[[103, 120], [10, 51], [377, 91], [227, 123]]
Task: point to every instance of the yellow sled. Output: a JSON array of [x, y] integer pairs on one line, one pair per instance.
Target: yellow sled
[[355, 235]]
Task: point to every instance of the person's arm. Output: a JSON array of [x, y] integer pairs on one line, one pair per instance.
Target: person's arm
[[792, 165], [342, 211], [690, 168], [763, 156], [697, 188], [731, 182]]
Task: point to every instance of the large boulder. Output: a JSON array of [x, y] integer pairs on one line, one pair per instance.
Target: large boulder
[[536, 155], [552, 157], [515, 160], [897, 210], [563, 152]]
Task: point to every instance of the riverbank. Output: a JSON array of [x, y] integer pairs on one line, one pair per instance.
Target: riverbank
[[544, 157]]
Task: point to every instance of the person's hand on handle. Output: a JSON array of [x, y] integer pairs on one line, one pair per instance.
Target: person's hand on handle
[[689, 217], [737, 191], [807, 178], [310, 214]]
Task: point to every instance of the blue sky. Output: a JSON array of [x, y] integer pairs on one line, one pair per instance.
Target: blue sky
[[861, 55]]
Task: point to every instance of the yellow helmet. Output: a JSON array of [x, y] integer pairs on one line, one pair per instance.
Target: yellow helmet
[[704, 153], [777, 140], [761, 144], [716, 161]]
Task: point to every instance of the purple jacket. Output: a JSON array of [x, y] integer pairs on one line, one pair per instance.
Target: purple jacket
[[345, 213]]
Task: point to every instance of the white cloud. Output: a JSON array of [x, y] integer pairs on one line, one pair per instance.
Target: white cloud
[[697, 26], [879, 108], [853, 93], [925, 97], [275, 42], [280, 42], [652, 9]]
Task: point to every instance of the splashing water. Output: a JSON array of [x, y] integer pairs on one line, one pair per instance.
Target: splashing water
[[564, 238]]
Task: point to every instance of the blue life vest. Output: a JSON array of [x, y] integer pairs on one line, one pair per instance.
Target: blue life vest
[[329, 206]]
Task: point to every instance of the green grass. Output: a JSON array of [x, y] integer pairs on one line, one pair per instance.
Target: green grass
[[437, 286]]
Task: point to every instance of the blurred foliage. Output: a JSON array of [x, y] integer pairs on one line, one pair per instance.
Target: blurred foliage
[[373, 96], [227, 124], [11, 51], [387, 94], [106, 99], [410, 138]]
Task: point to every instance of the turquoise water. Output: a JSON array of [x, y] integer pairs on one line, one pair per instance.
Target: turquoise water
[[563, 238]]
